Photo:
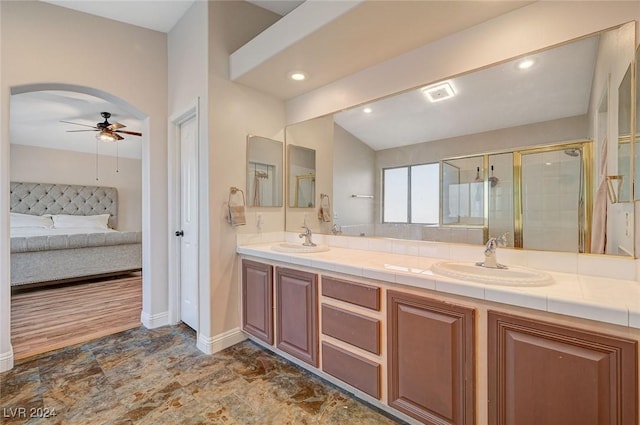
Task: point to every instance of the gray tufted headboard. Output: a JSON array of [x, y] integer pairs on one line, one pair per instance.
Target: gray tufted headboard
[[49, 198]]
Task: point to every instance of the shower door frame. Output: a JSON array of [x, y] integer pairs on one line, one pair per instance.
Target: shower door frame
[[585, 210]]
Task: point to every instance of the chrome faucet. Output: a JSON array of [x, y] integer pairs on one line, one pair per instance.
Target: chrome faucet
[[307, 236], [490, 253], [336, 229]]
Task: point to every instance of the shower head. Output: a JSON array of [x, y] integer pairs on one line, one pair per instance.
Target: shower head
[[575, 152]]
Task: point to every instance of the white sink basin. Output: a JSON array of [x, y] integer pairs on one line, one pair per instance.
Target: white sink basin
[[511, 276], [299, 248]]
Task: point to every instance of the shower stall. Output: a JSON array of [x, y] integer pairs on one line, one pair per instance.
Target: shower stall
[[541, 197], [552, 198]]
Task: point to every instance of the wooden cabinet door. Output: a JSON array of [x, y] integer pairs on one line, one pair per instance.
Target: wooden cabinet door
[[297, 314], [431, 362], [541, 373], [257, 300]]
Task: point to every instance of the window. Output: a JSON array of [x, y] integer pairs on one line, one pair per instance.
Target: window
[[396, 195], [411, 194]]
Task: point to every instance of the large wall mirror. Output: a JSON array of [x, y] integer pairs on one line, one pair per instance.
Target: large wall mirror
[[462, 187], [264, 172], [636, 127], [550, 116], [625, 147]]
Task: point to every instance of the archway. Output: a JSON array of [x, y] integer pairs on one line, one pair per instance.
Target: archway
[[6, 357]]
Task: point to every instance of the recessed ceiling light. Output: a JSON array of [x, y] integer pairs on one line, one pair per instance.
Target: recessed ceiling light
[[525, 63], [298, 76], [439, 92], [367, 110]]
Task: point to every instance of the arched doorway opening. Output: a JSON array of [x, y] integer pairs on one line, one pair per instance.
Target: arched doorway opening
[[144, 127]]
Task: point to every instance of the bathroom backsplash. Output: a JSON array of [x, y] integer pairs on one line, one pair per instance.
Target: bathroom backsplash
[[564, 262]]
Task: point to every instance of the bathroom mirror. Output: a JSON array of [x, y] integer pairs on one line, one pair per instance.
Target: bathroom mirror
[[550, 97], [636, 129], [264, 172], [302, 176], [625, 146], [462, 192]]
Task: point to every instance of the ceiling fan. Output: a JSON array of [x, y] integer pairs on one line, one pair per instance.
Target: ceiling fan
[[107, 131]]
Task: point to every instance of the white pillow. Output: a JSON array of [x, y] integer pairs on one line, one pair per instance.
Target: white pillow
[[28, 220], [99, 221]]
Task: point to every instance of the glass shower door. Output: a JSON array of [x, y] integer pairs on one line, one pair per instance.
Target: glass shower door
[[552, 196]]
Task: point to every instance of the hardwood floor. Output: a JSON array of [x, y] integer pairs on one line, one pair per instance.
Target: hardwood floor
[[49, 318]]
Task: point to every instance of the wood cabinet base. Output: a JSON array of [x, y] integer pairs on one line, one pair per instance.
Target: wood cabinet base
[[431, 359], [541, 373], [257, 300], [297, 314]]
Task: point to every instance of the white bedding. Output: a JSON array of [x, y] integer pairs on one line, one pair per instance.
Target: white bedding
[[39, 231]]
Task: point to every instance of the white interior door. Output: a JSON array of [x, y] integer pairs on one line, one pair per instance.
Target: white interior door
[[189, 222]]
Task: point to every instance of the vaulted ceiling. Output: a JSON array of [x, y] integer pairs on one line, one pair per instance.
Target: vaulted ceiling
[[325, 41]]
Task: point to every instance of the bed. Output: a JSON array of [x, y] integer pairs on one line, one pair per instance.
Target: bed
[[62, 233]]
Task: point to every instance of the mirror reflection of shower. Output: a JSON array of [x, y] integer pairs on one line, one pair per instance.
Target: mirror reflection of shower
[[264, 173], [261, 181], [305, 190], [553, 200]]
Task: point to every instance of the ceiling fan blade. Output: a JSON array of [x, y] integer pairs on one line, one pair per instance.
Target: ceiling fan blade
[[133, 133], [115, 126], [75, 131], [117, 136], [84, 125]]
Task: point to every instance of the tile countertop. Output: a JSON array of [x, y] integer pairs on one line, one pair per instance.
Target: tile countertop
[[596, 298]]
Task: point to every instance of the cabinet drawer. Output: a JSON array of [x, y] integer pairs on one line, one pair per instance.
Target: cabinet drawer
[[354, 328], [356, 371], [352, 292]]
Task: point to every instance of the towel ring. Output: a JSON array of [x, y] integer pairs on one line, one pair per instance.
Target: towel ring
[[232, 191]]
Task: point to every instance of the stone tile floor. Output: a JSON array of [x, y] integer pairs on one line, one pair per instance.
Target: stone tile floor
[[158, 376]]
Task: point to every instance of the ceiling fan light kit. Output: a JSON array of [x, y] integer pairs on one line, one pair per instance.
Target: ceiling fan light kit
[[108, 136], [107, 131]]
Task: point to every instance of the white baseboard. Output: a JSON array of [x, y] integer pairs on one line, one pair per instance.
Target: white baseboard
[[6, 361], [210, 345], [151, 321]]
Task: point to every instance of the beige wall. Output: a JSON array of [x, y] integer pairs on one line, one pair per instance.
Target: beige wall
[[42, 44], [354, 173], [315, 134], [234, 112], [42, 165], [549, 132], [188, 57]]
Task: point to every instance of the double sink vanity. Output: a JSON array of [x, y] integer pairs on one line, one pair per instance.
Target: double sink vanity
[[420, 331], [416, 327]]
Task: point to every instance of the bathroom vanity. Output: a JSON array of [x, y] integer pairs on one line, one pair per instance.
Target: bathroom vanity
[[436, 349]]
